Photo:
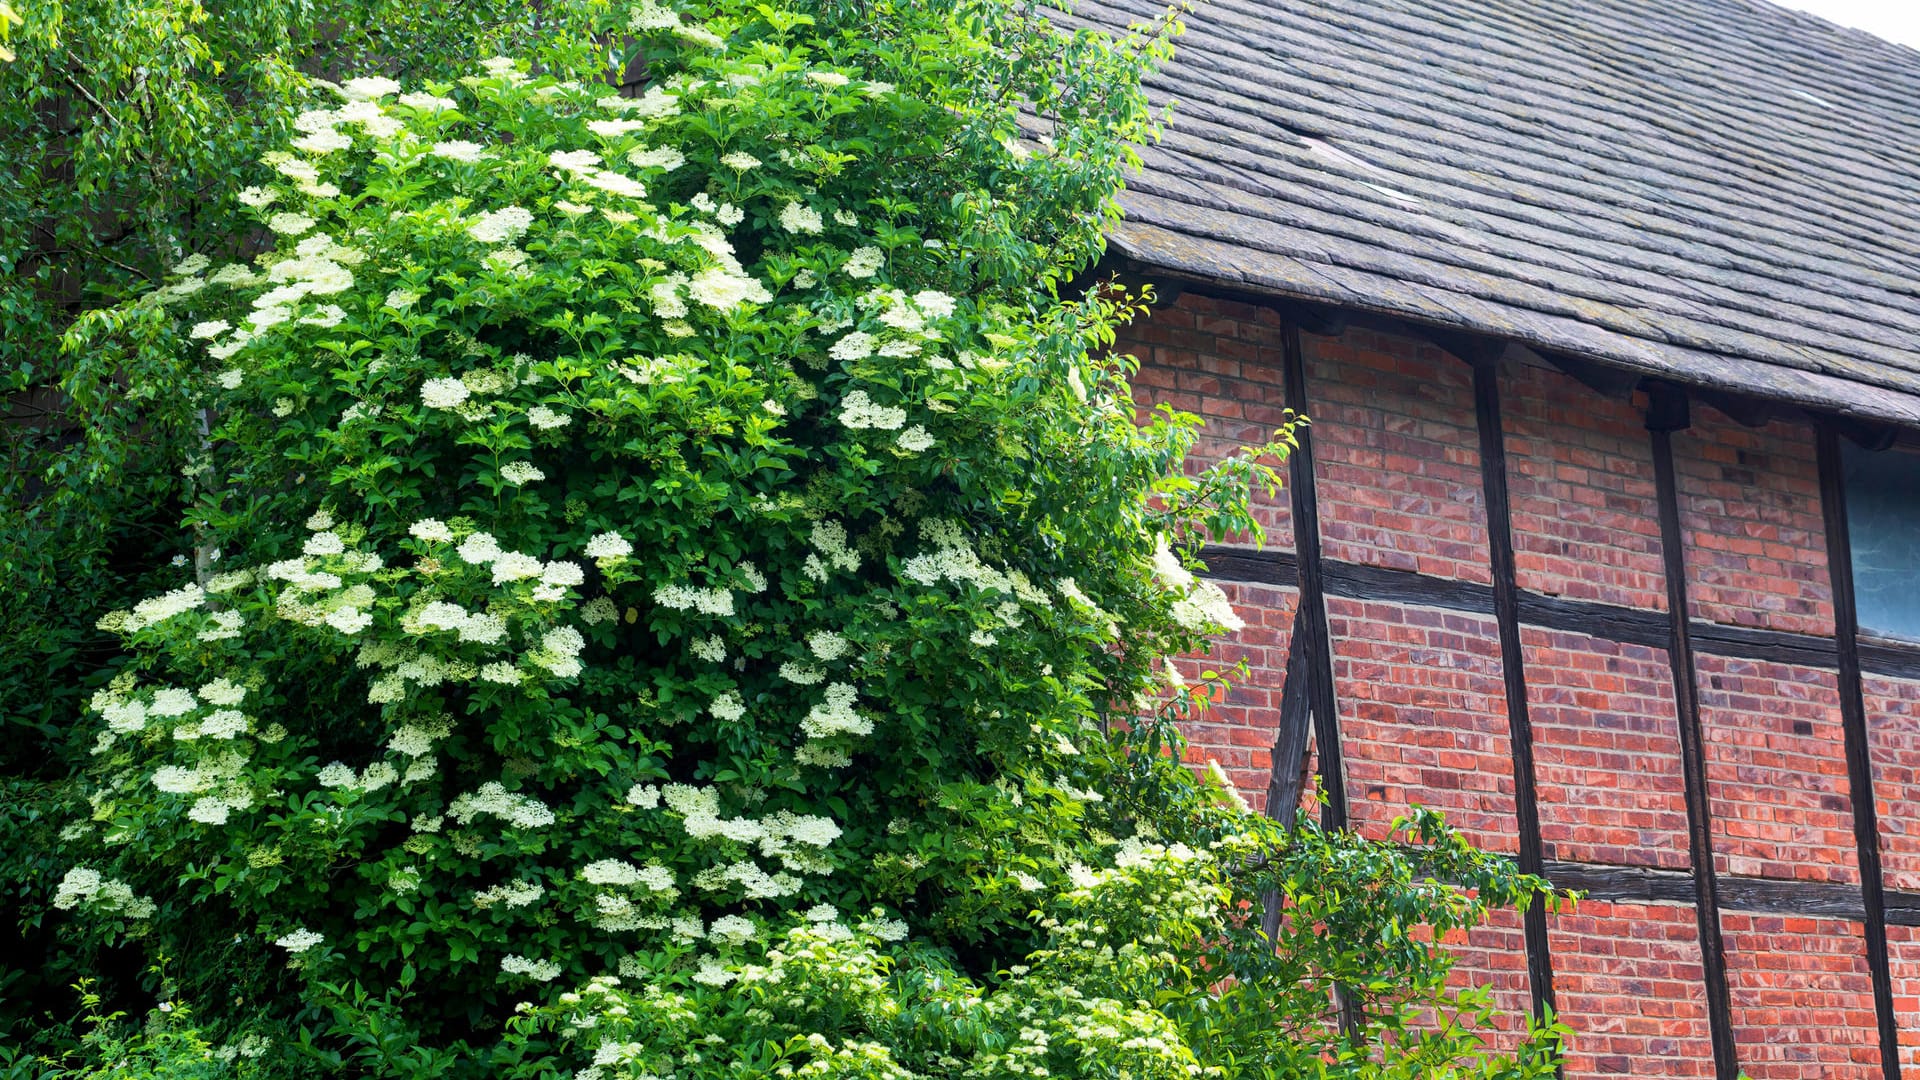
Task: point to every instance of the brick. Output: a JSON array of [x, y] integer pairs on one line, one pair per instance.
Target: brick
[[1801, 998], [1776, 770], [1606, 751], [1750, 511], [1628, 980]]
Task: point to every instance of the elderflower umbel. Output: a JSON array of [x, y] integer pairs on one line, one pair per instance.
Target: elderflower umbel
[[800, 218], [835, 715], [521, 472], [443, 393], [299, 940], [864, 262], [492, 799], [664, 157], [608, 545], [857, 411], [459, 150], [724, 291], [545, 419], [502, 226], [537, 970]]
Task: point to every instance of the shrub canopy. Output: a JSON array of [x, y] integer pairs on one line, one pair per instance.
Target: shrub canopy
[[678, 593]]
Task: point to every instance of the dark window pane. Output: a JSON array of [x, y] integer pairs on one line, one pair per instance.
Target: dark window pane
[[1883, 521]]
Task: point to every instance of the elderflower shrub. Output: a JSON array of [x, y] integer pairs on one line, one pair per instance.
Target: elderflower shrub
[[655, 525]]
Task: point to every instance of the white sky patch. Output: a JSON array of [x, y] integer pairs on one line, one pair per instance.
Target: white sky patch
[[1894, 20]]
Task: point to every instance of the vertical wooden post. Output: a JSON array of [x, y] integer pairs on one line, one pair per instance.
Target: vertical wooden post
[[1853, 723], [1289, 754], [1310, 616], [1506, 613], [1666, 414], [1290, 744]]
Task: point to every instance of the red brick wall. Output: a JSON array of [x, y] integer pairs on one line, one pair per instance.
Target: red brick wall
[[1422, 703], [1628, 981], [1580, 485], [1423, 718], [1220, 361], [1240, 731], [1750, 508], [1893, 732], [1606, 751], [1494, 956], [1903, 953], [1776, 771], [1398, 455], [1802, 998]]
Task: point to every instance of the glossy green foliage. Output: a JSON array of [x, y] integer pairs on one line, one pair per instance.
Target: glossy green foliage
[[673, 589]]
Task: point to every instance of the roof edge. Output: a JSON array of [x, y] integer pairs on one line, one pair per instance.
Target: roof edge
[[1273, 277]]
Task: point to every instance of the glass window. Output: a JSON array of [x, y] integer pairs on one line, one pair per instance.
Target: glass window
[[1883, 522]]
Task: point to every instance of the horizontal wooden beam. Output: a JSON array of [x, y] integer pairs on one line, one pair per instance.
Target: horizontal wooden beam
[[1610, 622], [1773, 896]]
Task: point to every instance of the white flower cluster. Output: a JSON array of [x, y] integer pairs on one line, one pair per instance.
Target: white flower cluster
[[608, 545], [727, 707], [835, 715], [1201, 605], [774, 834], [537, 970], [559, 652], [864, 262], [299, 940], [827, 645], [460, 150], [802, 674], [341, 776], [717, 602], [545, 419], [441, 616], [512, 894], [831, 550], [665, 158], [160, 608], [494, 800], [800, 218], [752, 881], [444, 393], [502, 226], [416, 740], [858, 410], [616, 872], [86, 887], [953, 559], [723, 290], [519, 473], [915, 439]]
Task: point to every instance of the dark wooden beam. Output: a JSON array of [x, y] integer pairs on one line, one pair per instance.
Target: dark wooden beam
[[1289, 758], [1609, 622], [1773, 896], [1290, 743], [1513, 667], [1884, 656], [1853, 725], [1693, 765], [1310, 613]]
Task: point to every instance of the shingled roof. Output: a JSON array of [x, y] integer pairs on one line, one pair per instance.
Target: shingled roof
[[1718, 192]]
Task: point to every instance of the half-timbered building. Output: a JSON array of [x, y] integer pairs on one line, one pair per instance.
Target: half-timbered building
[[1605, 536]]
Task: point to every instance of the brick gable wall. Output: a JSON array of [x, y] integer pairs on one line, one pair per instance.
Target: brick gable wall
[[1422, 705]]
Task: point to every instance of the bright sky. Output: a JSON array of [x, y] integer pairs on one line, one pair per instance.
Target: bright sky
[[1895, 20]]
